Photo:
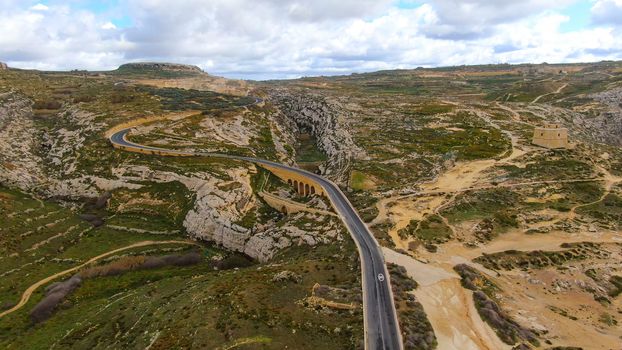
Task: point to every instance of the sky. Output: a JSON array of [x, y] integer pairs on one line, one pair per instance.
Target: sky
[[269, 39]]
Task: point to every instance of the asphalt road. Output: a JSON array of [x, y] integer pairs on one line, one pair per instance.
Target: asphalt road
[[381, 327]]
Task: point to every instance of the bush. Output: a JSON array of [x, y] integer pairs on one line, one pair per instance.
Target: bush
[[233, 261], [55, 294], [47, 105]]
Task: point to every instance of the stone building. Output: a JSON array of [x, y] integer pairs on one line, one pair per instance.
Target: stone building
[[551, 136]]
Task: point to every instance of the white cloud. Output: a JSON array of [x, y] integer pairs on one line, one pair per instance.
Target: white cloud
[[39, 7], [285, 38], [607, 12], [108, 25]]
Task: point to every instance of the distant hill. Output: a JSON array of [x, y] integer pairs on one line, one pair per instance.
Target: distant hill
[[158, 69]]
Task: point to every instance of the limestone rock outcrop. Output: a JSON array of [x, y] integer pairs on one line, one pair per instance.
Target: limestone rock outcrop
[[328, 122], [216, 213], [45, 159], [19, 163], [607, 126]]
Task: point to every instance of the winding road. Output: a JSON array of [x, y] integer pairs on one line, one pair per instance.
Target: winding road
[[381, 326]]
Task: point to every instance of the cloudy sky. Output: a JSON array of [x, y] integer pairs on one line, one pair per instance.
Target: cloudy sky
[[260, 39]]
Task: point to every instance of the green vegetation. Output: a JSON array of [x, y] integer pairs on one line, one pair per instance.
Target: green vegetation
[[543, 168], [308, 151], [105, 306], [151, 71], [417, 332], [616, 281], [538, 259], [404, 145], [175, 99], [41, 238], [608, 319], [153, 206], [508, 330], [497, 204], [432, 229], [360, 181], [607, 211], [365, 204], [474, 280]]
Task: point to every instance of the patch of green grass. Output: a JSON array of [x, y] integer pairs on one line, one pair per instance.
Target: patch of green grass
[[308, 151], [358, 180], [197, 307], [161, 205], [432, 229], [497, 202], [176, 99], [607, 210], [551, 169]]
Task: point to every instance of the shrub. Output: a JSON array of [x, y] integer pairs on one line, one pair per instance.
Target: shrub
[[51, 104], [55, 294]]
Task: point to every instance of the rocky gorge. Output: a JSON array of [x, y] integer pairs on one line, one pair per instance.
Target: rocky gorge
[[46, 159]]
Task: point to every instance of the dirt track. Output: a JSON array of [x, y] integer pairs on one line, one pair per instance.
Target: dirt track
[[32, 288]]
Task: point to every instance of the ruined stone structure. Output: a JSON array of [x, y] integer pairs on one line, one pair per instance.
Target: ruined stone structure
[[551, 136], [3, 66]]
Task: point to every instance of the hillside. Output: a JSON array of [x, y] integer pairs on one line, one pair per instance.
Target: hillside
[[493, 242]]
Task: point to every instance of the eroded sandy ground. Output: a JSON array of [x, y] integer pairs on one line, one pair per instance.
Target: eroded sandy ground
[[529, 297], [444, 299]]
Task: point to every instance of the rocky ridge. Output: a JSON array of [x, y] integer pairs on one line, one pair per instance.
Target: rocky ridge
[[19, 164], [44, 159], [159, 66]]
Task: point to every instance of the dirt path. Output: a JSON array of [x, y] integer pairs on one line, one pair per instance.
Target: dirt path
[[32, 288], [550, 93], [462, 177]]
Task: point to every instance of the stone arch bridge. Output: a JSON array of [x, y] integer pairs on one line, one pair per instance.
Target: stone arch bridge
[[305, 186]]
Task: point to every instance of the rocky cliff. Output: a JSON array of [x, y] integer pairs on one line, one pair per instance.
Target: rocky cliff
[[328, 122], [19, 163]]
